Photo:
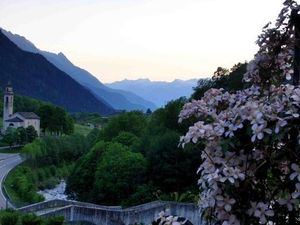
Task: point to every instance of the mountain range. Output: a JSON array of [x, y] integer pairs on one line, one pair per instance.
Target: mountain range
[[159, 92], [127, 95], [33, 75], [118, 99]]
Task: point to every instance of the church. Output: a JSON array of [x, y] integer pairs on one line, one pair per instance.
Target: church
[[18, 119]]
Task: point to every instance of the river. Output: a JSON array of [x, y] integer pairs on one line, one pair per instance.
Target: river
[[58, 192]]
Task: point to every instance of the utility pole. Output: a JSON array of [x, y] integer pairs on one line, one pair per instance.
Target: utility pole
[[295, 19]]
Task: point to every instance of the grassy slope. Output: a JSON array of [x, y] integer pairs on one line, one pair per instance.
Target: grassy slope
[[81, 129], [9, 189]]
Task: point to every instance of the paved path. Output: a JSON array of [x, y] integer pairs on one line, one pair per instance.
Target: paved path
[[7, 162]]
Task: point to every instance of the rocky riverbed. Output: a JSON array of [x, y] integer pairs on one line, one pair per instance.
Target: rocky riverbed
[[58, 192]]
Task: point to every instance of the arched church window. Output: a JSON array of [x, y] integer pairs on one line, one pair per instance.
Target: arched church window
[[11, 125]]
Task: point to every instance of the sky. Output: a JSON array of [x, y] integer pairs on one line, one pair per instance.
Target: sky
[[155, 39]]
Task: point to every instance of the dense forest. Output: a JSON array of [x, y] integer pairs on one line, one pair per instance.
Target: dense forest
[[135, 158]]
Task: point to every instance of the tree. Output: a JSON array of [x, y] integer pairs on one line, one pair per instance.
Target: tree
[[128, 139], [31, 134], [31, 219], [22, 135], [148, 112], [9, 217], [92, 137], [55, 120], [45, 112], [68, 125], [81, 180], [250, 170], [220, 72], [233, 81], [169, 166], [59, 220], [118, 174], [133, 122], [10, 137]]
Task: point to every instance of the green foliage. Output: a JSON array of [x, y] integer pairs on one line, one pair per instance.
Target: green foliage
[[169, 167], [55, 151], [49, 160], [128, 139], [20, 186], [166, 118], [20, 135], [137, 156], [30, 133], [187, 196], [230, 80], [55, 221], [92, 137], [10, 137], [81, 180], [143, 194], [118, 174], [31, 219], [9, 218], [55, 120], [84, 118], [133, 122], [82, 129]]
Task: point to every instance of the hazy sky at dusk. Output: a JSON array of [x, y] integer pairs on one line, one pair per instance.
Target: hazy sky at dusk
[[156, 39]]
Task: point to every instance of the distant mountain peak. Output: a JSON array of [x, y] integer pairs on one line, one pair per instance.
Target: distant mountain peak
[[159, 92], [61, 55]]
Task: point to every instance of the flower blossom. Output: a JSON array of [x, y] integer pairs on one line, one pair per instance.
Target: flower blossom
[[288, 201], [296, 173], [262, 210]]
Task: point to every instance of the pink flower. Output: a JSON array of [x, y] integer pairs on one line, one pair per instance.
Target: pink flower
[[262, 210], [296, 173], [225, 202], [296, 194], [232, 221], [288, 201]]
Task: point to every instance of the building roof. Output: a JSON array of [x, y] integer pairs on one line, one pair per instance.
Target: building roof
[[28, 115], [14, 119]]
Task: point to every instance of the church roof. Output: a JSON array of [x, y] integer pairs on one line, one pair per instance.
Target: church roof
[[28, 115], [15, 119]]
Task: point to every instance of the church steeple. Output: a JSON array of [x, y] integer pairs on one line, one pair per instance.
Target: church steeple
[[8, 102]]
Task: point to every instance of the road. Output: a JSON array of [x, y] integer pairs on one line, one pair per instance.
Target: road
[[7, 162], [12, 147]]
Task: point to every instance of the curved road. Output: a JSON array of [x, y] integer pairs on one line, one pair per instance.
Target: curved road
[[7, 162]]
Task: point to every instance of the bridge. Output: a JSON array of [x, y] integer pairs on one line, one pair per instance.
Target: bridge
[[74, 211]]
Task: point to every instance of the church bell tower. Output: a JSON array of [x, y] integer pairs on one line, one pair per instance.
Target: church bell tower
[[8, 102]]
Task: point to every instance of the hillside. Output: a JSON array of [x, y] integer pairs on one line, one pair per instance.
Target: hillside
[[118, 99], [32, 75], [159, 92]]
